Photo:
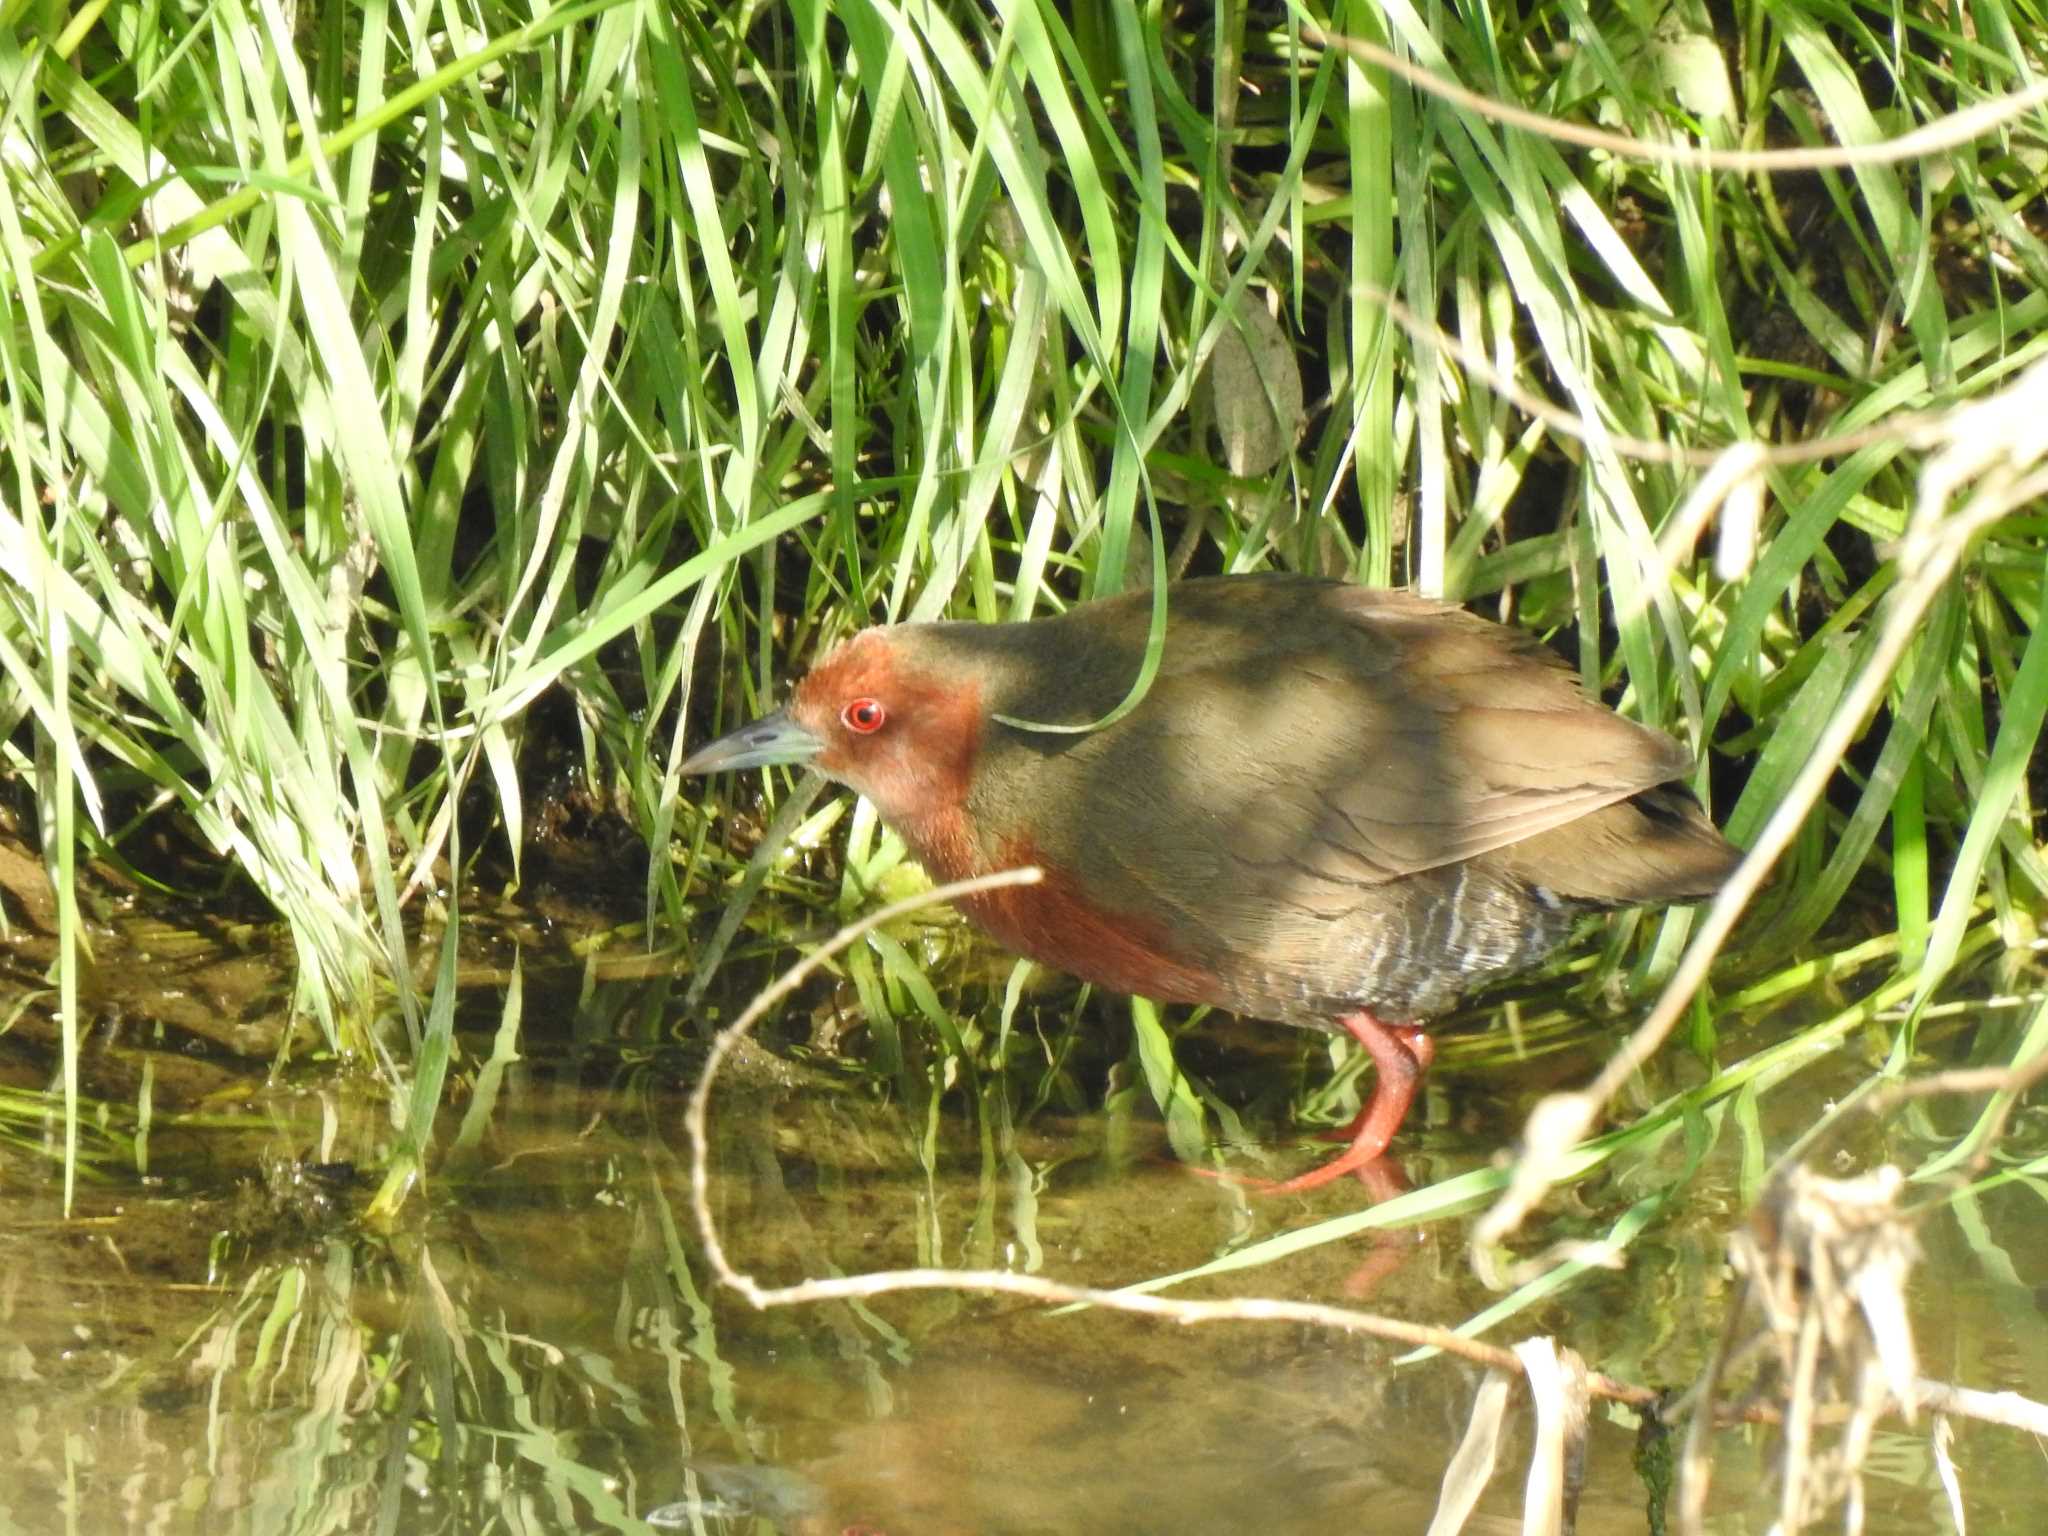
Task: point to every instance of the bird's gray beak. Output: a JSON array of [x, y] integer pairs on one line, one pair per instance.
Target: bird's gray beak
[[771, 739]]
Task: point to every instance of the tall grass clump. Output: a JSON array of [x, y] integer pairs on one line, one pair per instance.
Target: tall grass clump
[[368, 374]]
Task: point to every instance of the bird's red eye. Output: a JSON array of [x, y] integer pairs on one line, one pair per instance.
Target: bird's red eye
[[863, 716]]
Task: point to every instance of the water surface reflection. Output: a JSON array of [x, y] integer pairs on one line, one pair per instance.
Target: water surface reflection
[[540, 1348]]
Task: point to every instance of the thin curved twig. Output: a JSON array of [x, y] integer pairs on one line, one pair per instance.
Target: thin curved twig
[[2004, 1408], [1949, 131], [696, 1118]]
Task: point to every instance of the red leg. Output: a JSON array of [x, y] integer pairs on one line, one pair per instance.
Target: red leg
[[1400, 1053], [1420, 1047]]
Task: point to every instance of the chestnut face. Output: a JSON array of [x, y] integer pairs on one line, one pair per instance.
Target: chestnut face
[[905, 740]]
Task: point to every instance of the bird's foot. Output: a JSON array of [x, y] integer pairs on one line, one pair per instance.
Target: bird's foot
[[1368, 1162], [1400, 1053], [1381, 1176]]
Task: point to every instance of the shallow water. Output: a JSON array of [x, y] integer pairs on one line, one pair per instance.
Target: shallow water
[[220, 1344]]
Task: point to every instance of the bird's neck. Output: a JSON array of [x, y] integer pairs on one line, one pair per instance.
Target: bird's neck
[[938, 836]]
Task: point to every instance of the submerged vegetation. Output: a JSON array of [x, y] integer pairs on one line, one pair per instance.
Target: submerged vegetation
[[420, 429]]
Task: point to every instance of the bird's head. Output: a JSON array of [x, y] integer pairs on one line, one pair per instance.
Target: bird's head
[[883, 714]]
